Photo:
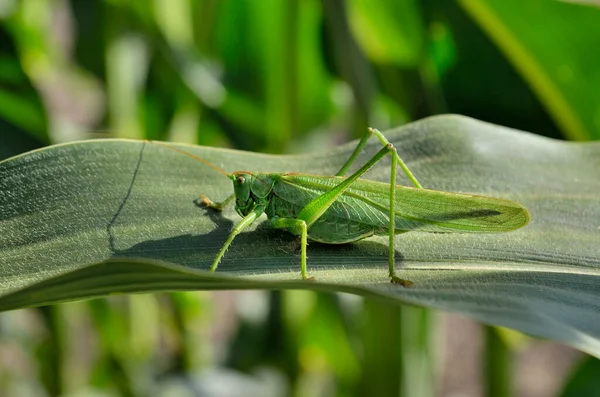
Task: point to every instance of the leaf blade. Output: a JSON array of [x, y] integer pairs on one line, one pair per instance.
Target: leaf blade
[[67, 210]]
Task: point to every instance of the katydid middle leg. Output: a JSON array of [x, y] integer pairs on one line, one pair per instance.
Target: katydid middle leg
[[291, 223]]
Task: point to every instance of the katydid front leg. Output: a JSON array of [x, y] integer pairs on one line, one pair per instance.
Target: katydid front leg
[[205, 201], [241, 225]]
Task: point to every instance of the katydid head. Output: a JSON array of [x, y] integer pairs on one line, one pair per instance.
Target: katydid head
[[242, 187], [251, 190]]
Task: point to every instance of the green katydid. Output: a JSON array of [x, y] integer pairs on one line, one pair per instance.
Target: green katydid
[[339, 209]]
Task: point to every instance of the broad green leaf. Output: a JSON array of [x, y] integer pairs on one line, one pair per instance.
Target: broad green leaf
[[93, 218], [556, 57], [377, 28]]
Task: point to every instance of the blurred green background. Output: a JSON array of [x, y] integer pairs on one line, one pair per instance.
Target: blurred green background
[[284, 77]]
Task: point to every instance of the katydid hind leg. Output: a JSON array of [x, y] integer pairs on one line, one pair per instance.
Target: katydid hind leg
[[360, 146], [392, 227], [287, 223], [317, 207], [399, 160]]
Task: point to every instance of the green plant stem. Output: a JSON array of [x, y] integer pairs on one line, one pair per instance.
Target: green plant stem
[[497, 359]]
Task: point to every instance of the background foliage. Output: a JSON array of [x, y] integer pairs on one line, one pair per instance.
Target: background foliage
[[282, 76]]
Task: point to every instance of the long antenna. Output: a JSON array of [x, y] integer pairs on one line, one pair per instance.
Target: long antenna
[[159, 143]]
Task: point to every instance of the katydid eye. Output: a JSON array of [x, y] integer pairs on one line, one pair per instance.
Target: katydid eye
[[241, 180]]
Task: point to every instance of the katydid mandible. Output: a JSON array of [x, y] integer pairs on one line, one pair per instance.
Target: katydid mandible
[[339, 209]]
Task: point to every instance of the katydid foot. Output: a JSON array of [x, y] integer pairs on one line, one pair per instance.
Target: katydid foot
[[405, 283]]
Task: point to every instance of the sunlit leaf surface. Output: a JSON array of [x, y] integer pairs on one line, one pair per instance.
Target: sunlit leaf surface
[[99, 217]]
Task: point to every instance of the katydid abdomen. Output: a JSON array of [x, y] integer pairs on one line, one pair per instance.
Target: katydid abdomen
[[363, 209]]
